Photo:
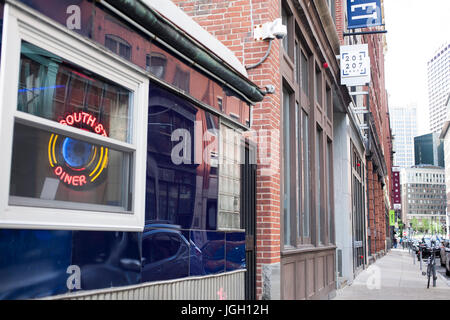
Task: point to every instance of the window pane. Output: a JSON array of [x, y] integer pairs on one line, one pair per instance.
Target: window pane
[[296, 66], [306, 174], [285, 20], [229, 178], [52, 170], [319, 184], [318, 86], [329, 102], [54, 89], [298, 165], [330, 191], [182, 182], [305, 74], [287, 168]]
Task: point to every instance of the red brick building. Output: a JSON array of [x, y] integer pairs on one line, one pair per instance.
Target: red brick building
[[378, 135], [295, 227]]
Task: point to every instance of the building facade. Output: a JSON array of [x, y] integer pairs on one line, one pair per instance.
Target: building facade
[[125, 158], [296, 239], [446, 138], [429, 149], [404, 129], [423, 196], [316, 126], [438, 72]]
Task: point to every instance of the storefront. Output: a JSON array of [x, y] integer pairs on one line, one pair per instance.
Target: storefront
[[124, 159]]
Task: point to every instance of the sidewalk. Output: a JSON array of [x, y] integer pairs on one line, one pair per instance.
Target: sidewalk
[[395, 277]]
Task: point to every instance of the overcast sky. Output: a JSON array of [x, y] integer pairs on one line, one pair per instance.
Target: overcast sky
[[416, 29]]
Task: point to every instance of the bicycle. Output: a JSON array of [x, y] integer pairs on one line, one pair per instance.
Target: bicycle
[[431, 266]]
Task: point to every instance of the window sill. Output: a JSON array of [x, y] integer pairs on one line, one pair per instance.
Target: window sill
[[307, 249]]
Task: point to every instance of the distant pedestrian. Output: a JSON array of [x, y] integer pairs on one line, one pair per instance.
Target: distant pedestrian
[[395, 240]]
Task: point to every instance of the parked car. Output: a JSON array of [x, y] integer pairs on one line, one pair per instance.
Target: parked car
[[447, 261], [167, 253]]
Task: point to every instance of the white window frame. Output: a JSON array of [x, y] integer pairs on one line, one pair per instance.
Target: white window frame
[[23, 23]]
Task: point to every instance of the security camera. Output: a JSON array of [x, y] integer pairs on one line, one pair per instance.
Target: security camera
[[278, 29], [270, 30], [270, 89]]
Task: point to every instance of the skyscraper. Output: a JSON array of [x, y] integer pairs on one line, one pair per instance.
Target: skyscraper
[[438, 86], [429, 150], [404, 129]]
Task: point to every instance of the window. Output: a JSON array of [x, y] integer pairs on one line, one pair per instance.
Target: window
[[306, 174], [296, 64], [305, 73], [180, 165], [156, 64], [287, 167], [319, 187], [332, 8], [330, 192], [72, 132], [118, 46], [329, 101], [318, 87], [229, 178], [286, 19]]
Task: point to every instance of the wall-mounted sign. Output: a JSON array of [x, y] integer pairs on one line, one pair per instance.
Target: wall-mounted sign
[[396, 189], [392, 217], [363, 13], [355, 65], [77, 163]]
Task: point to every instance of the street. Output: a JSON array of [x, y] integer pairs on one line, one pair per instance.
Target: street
[[396, 277]]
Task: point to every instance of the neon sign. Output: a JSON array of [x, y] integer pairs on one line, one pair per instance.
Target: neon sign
[[77, 163]]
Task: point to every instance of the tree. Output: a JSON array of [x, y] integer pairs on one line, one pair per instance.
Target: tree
[[426, 225], [414, 224]]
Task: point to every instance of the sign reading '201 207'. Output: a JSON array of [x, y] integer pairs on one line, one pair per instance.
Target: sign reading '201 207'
[[355, 65], [363, 13]]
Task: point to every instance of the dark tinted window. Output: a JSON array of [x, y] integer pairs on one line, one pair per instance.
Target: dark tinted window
[[160, 246], [181, 166]]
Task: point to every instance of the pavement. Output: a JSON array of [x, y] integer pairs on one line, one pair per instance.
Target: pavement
[[396, 277]]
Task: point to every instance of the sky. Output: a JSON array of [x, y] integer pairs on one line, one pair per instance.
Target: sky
[[415, 30]]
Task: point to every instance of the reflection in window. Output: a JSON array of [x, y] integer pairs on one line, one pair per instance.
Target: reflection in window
[[49, 169], [156, 64], [118, 46], [159, 247], [181, 79], [181, 185], [54, 89]]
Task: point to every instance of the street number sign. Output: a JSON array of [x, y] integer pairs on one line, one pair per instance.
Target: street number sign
[[355, 65]]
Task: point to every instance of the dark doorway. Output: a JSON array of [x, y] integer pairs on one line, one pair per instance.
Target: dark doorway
[[248, 217]]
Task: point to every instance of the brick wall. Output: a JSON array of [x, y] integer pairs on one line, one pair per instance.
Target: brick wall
[[232, 22]]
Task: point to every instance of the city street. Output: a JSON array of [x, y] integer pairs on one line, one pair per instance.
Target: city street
[[396, 277]]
